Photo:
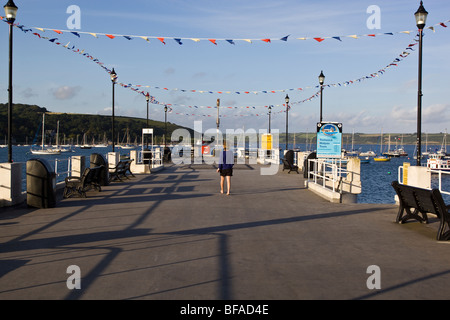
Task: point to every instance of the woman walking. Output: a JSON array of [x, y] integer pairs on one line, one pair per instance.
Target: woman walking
[[226, 162]]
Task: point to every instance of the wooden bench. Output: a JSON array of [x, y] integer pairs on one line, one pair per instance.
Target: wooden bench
[[121, 170], [289, 166], [423, 201], [79, 185]]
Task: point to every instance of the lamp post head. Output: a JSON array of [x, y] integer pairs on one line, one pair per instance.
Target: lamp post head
[[147, 97], [10, 11], [421, 16], [286, 99], [165, 108], [113, 75], [321, 78]]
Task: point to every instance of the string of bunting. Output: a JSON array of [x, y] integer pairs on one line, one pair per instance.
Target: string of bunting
[[215, 41], [138, 88], [404, 54]]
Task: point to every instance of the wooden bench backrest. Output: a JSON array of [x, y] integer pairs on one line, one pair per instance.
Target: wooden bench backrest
[[423, 199], [440, 204]]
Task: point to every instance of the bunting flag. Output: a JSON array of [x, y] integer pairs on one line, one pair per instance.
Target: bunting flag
[[381, 71], [139, 88], [215, 41]]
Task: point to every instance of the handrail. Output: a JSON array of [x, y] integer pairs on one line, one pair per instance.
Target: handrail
[[322, 167], [438, 172]]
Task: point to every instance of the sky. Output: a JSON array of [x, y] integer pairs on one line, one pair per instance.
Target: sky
[[61, 80]]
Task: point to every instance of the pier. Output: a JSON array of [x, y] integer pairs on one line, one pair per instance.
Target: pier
[[172, 235]]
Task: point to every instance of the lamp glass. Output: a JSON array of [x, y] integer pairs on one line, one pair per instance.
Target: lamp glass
[[10, 11], [113, 76], [321, 78], [421, 16]]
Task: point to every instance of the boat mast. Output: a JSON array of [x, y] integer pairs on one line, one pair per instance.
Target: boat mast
[[43, 130]]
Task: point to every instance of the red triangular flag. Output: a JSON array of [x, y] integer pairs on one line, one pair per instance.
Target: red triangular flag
[[442, 24], [110, 36], [213, 41], [319, 39], [266, 40], [161, 39], [58, 32]]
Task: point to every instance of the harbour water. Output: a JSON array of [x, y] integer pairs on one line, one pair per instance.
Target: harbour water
[[376, 177]]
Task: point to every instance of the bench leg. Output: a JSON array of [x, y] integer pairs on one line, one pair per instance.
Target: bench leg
[[441, 235], [410, 215]]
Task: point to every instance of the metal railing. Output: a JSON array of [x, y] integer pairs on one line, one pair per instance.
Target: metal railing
[[68, 171], [272, 156], [155, 157], [440, 184], [327, 172], [438, 173]]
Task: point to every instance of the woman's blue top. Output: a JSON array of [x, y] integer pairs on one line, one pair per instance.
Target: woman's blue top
[[226, 160]]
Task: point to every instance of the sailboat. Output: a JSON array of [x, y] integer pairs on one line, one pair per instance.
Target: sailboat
[[85, 145], [128, 145], [440, 160], [58, 146], [43, 150], [381, 157], [103, 144]]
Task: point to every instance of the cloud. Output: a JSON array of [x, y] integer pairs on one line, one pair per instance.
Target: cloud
[[28, 93], [65, 92], [169, 71], [436, 113], [199, 75]]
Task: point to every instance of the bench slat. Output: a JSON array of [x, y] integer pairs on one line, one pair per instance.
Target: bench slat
[[422, 201]]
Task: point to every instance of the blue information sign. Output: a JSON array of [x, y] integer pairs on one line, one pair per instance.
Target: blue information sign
[[329, 139]]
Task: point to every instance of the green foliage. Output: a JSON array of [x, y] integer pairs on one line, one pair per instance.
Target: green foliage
[[28, 118]]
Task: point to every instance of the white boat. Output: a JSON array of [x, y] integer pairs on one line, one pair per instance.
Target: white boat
[[369, 153], [58, 146], [382, 157], [85, 145], [438, 163], [43, 150], [127, 146]]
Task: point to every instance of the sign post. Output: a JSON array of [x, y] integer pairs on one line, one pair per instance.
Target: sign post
[[266, 141], [329, 139]]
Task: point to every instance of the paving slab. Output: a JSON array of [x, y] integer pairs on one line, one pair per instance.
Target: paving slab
[[172, 236]]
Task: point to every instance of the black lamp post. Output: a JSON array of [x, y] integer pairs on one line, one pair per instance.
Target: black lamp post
[[421, 18], [321, 81], [165, 127], [113, 80], [10, 13], [270, 114], [147, 97], [287, 119]]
